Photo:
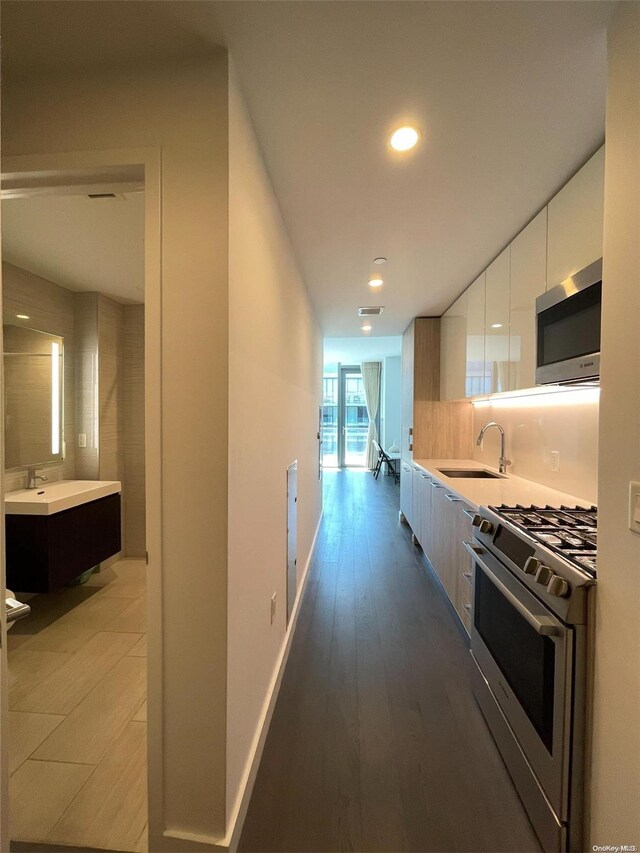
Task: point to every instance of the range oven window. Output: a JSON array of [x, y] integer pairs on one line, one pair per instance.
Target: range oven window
[[571, 328], [526, 659]]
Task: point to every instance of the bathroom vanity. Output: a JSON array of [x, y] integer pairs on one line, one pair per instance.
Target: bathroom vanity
[[57, 532]]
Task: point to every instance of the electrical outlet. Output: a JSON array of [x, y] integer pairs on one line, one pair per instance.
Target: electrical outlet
[[273, 606], [82, 439], [555, 460]]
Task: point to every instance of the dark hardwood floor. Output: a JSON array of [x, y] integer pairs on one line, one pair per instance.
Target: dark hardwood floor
[[376, 741]]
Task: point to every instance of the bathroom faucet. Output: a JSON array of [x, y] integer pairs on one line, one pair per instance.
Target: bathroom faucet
[[503, 461], [32, 478]]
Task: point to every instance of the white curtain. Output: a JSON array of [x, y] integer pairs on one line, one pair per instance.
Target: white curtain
[[371, 381]]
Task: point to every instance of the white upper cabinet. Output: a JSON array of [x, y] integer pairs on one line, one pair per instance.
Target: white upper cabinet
[[528, 281], [488, 340], [497, 323], [453, 350], [576, 222], [476, 374]]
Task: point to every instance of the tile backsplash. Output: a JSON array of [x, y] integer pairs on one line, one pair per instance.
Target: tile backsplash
[[539, 427]]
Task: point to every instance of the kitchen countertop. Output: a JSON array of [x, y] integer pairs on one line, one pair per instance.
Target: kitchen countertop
[[508, 489]]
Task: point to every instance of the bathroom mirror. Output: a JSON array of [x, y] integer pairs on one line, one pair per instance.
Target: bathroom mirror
[[33, 397]]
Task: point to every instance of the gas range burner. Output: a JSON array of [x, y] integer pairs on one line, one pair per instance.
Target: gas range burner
[[571, 532]]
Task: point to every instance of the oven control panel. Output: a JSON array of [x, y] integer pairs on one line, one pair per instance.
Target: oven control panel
[[561, 585]]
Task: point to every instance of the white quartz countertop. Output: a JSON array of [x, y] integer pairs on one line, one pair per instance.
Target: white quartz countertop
[[54, 497], [507, 489]]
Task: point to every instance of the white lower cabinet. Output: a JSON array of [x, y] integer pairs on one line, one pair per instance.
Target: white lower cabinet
[[424, 509], [444, 522], [406, 491]]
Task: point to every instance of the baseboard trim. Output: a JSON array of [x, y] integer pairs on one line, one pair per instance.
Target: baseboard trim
[[239, 812]]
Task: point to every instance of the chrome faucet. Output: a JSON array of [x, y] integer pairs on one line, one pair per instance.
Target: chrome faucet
[[32, 478], [503, 461]]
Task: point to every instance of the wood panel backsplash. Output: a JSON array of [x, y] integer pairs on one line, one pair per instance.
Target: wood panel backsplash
[[441, 430]]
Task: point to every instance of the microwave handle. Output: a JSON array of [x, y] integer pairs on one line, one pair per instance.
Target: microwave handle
[[542, 625]]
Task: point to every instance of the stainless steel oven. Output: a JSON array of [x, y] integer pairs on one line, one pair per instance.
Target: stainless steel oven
[[528, 640], [568, 329]]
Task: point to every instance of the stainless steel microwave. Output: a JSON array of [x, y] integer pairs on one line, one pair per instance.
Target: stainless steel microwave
[[568, 329]]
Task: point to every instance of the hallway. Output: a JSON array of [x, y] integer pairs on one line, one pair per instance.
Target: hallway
[[376, 742]]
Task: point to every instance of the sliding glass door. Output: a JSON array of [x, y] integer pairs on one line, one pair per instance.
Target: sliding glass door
[[353, 420], [330, 417], [344, 418]]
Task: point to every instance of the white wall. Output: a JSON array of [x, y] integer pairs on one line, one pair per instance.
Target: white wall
[[615, 780], [178, 109], [391, 401], [275, 388], [566, 422]]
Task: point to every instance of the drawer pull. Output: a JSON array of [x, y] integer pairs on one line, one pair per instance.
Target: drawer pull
[[468, 512], [467, 575], [436, 485], [453, 499], [467, 607]]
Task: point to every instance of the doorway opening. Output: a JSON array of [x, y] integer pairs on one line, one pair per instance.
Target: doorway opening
[[345, 420], [74, 267]]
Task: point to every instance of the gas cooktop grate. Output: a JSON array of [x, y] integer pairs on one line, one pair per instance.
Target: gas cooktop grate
[[571, 532]]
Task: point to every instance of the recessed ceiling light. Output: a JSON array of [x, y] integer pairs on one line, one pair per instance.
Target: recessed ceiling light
[[496, 325], [379, 260], [23, 317], [375, 282], [366, 327], [404, 138]]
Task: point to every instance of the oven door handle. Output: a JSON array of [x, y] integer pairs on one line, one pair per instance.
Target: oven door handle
[[542, 625]]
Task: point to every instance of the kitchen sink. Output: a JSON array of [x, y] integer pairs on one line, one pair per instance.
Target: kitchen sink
[[470, 473]]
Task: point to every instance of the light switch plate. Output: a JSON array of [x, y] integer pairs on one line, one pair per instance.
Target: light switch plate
[[82, 439], [555, 460], [634, 507]]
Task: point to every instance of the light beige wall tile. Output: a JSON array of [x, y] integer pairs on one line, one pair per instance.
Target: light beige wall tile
[[133, 379], [87, 406], [50, 309], [111, 396], [111, 809], [39, 792]]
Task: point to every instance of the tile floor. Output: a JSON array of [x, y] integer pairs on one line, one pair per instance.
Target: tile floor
[[77, 699]]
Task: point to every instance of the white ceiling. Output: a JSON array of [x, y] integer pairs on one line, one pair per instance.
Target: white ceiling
[[357, 350], [510, 97], [79, 243]]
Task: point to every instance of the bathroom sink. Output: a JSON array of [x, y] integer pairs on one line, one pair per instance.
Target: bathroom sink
[[57, 496], [470, 473]]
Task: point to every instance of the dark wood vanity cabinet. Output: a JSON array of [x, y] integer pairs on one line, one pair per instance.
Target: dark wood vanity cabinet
[[46, 552]]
